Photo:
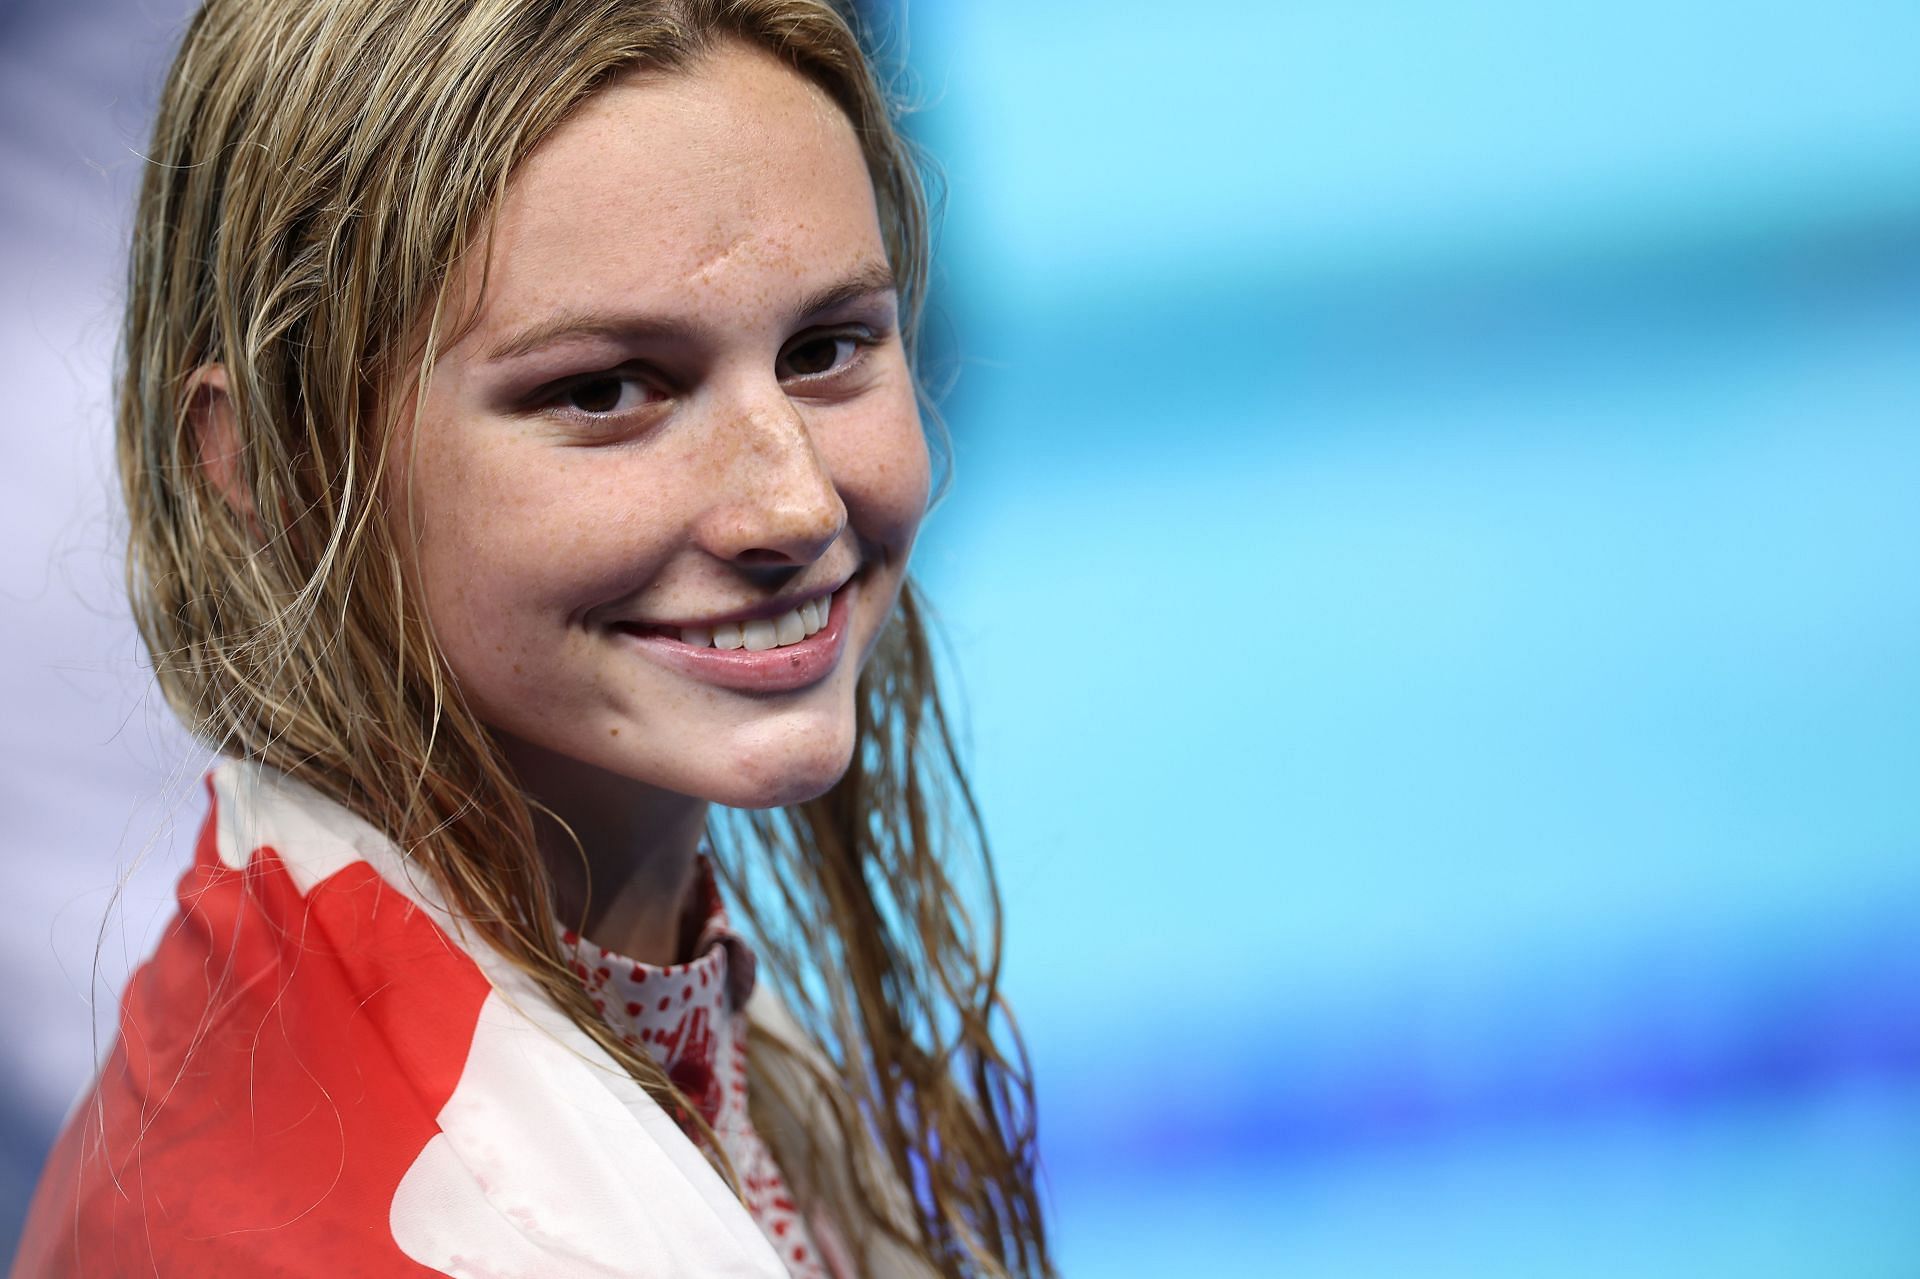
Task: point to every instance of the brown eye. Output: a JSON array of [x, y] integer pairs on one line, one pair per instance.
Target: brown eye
[[814, 356], [598, 395]]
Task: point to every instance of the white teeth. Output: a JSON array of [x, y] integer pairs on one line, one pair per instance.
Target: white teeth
[[757, 636], [761, 634]]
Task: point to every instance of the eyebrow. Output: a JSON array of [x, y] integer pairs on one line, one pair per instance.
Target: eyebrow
[[868, 278]]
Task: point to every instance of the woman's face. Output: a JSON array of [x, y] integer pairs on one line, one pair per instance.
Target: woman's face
[[664, 490]]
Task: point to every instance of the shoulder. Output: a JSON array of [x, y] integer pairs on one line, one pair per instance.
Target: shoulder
[[316, 1076], [282, 1056]]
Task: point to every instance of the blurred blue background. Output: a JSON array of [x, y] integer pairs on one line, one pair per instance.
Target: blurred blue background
[[1434, 571], [1435, 565]]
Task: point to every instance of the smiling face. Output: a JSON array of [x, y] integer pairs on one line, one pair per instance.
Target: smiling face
[[663, 491]]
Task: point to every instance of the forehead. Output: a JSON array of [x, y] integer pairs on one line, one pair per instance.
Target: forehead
[[731, 183]]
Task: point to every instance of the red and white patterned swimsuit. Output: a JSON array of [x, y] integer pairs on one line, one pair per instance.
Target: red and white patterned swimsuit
[[322, 1072], [692, 1018]]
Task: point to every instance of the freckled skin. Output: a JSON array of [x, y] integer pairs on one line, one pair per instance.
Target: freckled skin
[[719, 198]]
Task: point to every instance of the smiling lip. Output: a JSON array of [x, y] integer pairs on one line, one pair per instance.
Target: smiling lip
[[772, 670]]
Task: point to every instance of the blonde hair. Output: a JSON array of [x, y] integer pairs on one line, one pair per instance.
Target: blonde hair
[[317, 169]]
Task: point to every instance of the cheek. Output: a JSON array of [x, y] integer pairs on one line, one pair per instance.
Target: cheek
[[470, 528], [508, 528], [880, 464], [491, 537]]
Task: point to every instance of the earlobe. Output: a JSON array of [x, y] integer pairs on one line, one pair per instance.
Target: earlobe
[[216, 439]]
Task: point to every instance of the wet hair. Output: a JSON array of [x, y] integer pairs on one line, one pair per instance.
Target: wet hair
[[318, 169]]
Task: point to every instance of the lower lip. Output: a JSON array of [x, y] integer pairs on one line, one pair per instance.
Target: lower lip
[[771, 670]]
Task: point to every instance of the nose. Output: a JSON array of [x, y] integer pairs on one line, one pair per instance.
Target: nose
[[774, 504]]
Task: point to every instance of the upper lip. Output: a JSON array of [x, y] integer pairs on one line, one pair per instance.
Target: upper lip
[[749, 613]]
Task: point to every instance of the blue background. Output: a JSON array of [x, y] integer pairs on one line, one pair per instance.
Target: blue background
[[1435, 566], [1433, 570]]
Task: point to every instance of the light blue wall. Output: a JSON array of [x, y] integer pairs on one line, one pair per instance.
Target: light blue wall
[[1435, 567]]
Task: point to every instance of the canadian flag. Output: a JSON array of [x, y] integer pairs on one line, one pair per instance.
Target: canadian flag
[[320, 1073]]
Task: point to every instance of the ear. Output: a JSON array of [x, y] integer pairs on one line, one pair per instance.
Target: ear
[[216, 439]]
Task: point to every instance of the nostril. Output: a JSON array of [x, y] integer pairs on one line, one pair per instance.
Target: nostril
[[762, 557], [769, 570]]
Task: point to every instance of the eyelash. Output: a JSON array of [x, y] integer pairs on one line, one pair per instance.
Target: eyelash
[[863, 340], [557, 396]]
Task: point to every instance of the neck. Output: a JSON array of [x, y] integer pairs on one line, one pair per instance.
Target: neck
[[632, 875]]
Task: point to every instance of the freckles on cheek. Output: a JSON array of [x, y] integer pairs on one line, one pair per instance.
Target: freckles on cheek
[[887, 467], [471, 582], [488, 521]]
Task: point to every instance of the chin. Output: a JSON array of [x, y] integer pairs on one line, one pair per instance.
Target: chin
[[781, 768]]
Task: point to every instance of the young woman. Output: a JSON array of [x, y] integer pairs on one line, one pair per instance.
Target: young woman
[[522, 455]]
